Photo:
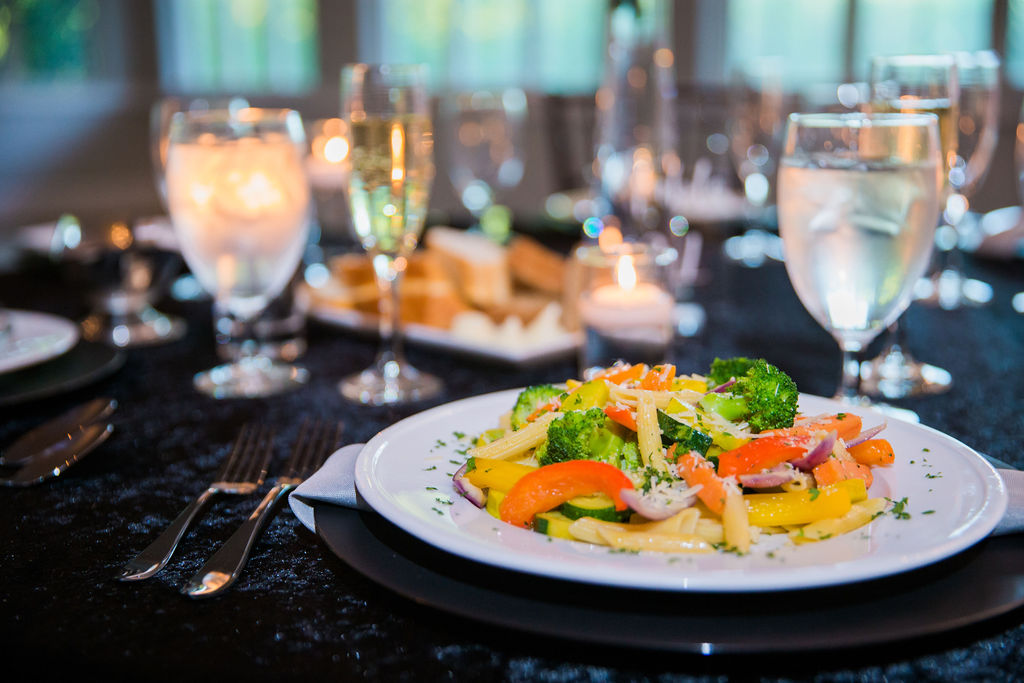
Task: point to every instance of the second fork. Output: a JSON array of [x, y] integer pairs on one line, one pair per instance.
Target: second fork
[[315, 442]]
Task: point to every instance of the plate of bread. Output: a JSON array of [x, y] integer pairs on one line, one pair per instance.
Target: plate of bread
[[464, 293]]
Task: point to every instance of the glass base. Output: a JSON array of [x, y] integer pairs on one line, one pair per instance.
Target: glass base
[[389, 383], [951, 290], [894, 374], [250, 378], [148, 327]]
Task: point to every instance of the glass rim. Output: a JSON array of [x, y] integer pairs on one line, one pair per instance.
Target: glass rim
[[384, 67], [643, 254], [861, 120], [935, 59], [242, 115]]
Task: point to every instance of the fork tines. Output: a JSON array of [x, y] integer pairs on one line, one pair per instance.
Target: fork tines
[[317, 439], [249, 457]]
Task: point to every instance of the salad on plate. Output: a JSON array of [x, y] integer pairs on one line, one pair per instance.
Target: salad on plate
[[639, 458]]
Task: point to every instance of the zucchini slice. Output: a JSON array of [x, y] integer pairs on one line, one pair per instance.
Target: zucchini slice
[[674, 431], [598, 505], [553, 524]]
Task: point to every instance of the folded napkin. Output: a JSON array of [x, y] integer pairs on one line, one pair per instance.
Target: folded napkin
[[335, 483]]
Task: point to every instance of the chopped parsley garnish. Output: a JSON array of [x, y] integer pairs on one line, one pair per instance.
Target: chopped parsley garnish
[[437, 511], [928, 512], [430, 469], [459, 435], [933, 476], [442, 501], [431, 488], [899, 508], [440, 444], [814, 493]]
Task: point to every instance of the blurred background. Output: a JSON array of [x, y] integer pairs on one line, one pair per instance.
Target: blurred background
[[79, 77]]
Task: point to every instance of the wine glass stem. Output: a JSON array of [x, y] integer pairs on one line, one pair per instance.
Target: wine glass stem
[[388, 281], [849, 378]]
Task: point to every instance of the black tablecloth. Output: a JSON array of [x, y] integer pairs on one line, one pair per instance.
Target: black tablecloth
[[298, 611]]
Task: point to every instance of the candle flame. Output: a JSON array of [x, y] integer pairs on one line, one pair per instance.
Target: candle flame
[[625, 273]]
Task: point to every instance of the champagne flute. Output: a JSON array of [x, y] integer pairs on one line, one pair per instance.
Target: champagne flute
[[914, 84], [386, 111], [977, 130], [239, 201], [858, 206]]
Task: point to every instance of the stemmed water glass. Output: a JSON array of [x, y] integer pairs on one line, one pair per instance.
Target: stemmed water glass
[[914, 84], [386, 111], [858, 206], [977, 130], [239, 201], [485, 130]]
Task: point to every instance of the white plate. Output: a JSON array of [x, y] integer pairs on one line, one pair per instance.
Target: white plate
[[433, 337], [954, 498], [34, 338]]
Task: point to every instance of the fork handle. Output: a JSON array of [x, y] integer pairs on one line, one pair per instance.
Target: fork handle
[[156, 555], [221, 570]]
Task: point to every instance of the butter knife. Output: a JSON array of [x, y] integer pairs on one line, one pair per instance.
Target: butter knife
[[56, 433], [57, 460]]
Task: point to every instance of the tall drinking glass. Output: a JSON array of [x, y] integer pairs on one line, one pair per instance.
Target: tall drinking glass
[[915, 84], [977, 128], [239, 201], [386, 110], [858, 206]]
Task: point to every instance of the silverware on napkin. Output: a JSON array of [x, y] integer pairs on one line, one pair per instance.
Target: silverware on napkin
[[242, 473], [315, 442]]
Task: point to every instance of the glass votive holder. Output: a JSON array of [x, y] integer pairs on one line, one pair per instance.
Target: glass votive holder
[[625, 305]]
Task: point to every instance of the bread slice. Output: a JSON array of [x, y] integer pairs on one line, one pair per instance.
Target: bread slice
[[427, 296], [478, 266], [536, 266]]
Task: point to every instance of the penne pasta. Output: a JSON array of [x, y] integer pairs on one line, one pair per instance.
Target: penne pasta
[[519, 442]]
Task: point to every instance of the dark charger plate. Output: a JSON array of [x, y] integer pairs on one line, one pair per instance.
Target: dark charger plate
[[86, 363], [980, 583]]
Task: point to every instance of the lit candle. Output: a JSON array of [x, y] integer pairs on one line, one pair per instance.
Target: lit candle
[[628, 303]]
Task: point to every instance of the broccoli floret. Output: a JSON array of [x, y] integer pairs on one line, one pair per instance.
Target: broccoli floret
[[587, 435], [763, 395], [722, 370], [530, 399]]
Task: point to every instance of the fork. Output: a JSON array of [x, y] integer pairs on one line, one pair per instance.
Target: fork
[[242, 473], [315, 442]]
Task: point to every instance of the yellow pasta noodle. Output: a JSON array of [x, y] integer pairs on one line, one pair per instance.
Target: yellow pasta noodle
[[517, 443]]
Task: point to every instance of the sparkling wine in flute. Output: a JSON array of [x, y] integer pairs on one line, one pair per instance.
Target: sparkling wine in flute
[[389, 186], [943, 108], [857, 239]]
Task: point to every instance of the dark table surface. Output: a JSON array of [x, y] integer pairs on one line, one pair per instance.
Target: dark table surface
[[300, 612]]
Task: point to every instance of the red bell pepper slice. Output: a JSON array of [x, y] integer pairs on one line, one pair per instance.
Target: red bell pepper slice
[[622, 415], [548, 487], [762, 453]]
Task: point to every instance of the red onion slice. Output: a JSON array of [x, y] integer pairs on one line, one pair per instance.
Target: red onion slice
[[865, 435], [656, 508], [722, 387], [777, 476], [471, 492], [816, 454]]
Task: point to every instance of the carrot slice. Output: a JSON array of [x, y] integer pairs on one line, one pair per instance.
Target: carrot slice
[[873, 452], [845, 425], [659, 378], [618, 374], [621, 414], [695, 469], [835, 470]]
